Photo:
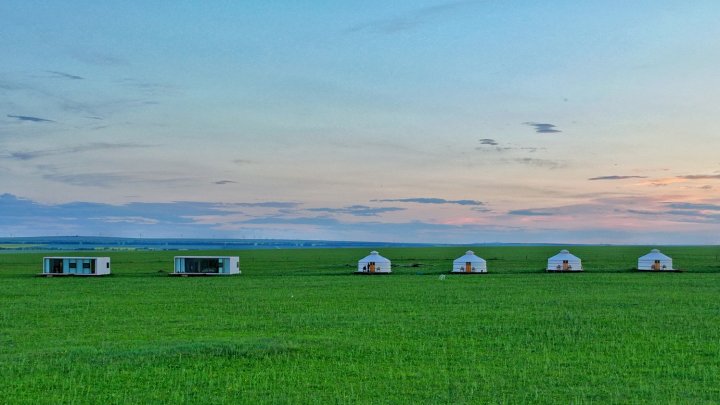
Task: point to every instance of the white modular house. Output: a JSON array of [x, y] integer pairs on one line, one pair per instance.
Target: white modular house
[[75, 266], [469, 264], [564, 261], [655, 261], [206, 266], [374, 264]]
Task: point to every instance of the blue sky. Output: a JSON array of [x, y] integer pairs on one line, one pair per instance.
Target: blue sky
[[417, 121]]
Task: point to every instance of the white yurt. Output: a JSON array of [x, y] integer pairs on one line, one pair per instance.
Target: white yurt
[[564, 261], [655, 261], [206, 266], [469, 264], [374, 264], [75, 266]]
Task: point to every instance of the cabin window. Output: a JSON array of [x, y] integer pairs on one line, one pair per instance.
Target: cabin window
[[86, 265], [72, 265], [203, 265], [107, 265]]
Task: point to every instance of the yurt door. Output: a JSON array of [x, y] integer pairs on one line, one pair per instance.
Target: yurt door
[[566, 264], [468, 267], [371, 267], [656, 265]]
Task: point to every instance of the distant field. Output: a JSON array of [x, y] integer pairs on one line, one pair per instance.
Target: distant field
[[297, 327], [13, 246]]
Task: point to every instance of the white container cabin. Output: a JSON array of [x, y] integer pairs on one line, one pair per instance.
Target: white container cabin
[[75, 266], [206, 266], [469, 264], [655, 261], [374, 264], [564, 262]]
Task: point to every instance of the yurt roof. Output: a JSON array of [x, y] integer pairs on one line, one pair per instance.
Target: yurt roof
[[374, 256], [469, 257], [564, 255], [655, 255]]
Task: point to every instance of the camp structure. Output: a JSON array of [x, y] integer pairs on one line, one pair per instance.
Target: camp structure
[[75, 266], [469, 264], [374, 264], [564, 261], [186, 266], [655, 261]]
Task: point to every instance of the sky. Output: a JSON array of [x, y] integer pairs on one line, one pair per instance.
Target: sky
[[404, 121]]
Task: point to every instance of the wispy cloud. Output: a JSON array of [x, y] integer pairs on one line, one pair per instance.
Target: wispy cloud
[[127, 220], [106, 179], [412, 19], [543, 128], [98, 58], [268, 204], [666, 181], [528, 149], [64, 75], [429, 200], [103, 180], [545, 163], [694, 206], [222, 182], [642, 212], [491, 145], [530, 213], [149, 88], [358, 210], [29, 118], [617, 177], [700, 177], [34, 154]]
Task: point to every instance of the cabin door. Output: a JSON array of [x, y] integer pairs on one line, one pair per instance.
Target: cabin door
[[468, 267], [89, 266], [56, 266], [371, 267], [566, 264]]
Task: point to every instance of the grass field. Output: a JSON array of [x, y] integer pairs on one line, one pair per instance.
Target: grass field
[[296, 327]]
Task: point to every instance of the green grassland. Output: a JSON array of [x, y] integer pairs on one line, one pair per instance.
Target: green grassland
[[297, 327]]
